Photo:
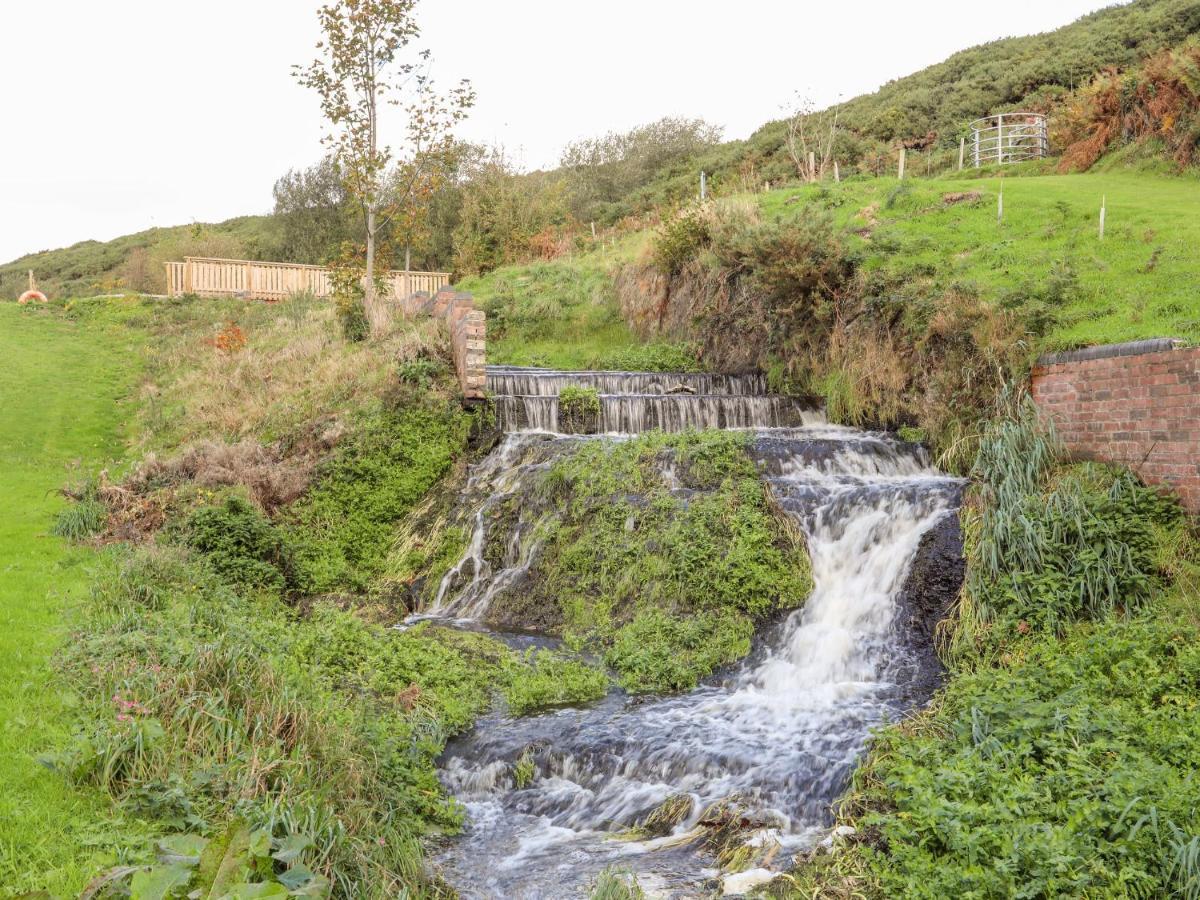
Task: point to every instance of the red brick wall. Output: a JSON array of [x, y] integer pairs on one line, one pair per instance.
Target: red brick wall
[[1135, 404]]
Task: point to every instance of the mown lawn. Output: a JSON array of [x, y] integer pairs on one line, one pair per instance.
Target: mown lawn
[[62, 386], [1138, 282]]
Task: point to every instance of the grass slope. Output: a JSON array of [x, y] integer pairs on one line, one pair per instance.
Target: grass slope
[[1138, 282], [62, 387]]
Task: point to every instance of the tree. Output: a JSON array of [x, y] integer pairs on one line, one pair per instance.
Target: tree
[[606, 170], [810, 137], [366, 63], [313, 213]]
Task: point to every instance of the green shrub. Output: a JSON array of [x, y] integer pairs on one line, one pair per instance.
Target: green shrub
[[352, 316], [681, 238], [578, 410], [239, 542], [1047, 546]]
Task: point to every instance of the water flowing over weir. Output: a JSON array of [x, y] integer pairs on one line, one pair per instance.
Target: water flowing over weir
[[781, 731]]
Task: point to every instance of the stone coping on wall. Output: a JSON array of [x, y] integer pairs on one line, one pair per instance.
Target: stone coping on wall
[[1107, 351], [467, 327]]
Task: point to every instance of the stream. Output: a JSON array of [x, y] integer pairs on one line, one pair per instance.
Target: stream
[[780, 731]]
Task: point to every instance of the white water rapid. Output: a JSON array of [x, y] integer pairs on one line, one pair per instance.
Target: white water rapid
[[780, 732]]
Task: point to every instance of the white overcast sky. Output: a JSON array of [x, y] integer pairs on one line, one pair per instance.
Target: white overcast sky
[[122, 115]]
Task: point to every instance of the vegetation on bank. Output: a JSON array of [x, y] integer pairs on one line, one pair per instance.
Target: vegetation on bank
[[1061, 759], [667, 586], [218, 700], [909, 303]]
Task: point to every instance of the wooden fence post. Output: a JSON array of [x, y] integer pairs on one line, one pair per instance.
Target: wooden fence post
[[1103, 214], [837, 173], [901, 174], [812, 167], [962, 151]]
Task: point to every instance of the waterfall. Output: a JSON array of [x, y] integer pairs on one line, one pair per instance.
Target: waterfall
[[781, 731]]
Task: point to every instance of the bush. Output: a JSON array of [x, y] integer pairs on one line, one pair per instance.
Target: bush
[[578, 410], [681, 238], [239, 542]]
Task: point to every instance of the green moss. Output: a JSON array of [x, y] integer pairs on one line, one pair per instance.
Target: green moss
[[671, 586]]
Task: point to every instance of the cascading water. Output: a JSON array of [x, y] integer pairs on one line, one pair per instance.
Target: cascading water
[[780, 732]]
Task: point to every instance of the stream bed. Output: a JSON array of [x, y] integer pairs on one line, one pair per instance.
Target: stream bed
[[779, 732]]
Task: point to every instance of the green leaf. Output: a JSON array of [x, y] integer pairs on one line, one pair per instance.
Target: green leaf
[[303, 882], [291, 847], [185, 849], [260, 844], [159, 882], [248, 891]]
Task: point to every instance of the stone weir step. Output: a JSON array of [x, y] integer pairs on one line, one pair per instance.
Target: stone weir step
[[524, 381], [527, 399]]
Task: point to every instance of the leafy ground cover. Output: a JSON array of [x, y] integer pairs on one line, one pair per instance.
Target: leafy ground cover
[[1061, 759]]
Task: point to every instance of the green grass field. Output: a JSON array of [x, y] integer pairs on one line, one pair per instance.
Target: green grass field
[[1138, 282], [62, 384]]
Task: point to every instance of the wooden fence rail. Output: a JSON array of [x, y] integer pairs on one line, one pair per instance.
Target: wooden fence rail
[[275, 281]]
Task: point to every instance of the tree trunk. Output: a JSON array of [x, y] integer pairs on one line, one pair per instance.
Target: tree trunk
[[376, 315]]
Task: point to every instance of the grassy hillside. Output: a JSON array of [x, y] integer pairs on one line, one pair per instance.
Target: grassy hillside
[[927, 237], [930, 108], [135, 261]]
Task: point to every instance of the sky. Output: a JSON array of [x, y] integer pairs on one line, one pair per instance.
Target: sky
[[129, 114]]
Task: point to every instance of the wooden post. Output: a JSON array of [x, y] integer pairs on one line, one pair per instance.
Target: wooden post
[[32, 283], [837, 173], [1103, 214], [593, 231], [901, 174], [1000, 204], [703, 186], [962, 151], [249, 282], [812, 167]]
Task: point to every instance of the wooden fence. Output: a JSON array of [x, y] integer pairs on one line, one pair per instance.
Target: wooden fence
[[275, 281]]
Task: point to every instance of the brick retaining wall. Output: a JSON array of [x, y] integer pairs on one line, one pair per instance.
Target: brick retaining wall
[[468, 335], [1136, 404]]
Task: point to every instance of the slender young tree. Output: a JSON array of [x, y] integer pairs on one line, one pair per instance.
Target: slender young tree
[[366, 63]]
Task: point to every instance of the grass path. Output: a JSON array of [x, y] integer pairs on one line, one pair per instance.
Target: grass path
[[61, 386]]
